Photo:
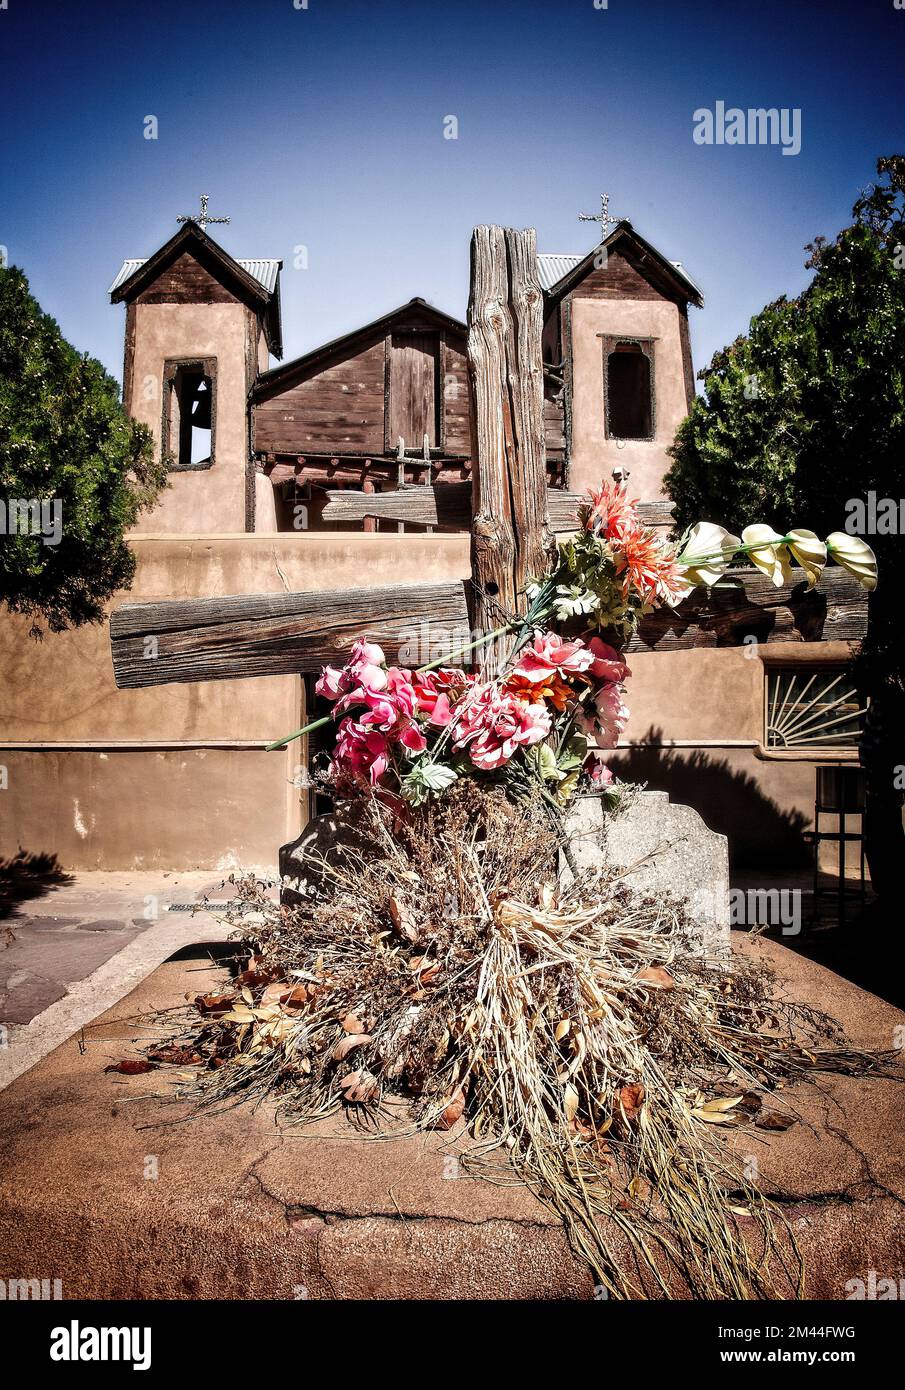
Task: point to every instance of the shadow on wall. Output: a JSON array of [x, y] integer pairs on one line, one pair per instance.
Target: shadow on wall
[[729, 800], [26, 876]]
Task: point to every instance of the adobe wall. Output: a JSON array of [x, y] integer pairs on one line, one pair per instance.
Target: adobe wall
[[593, 455], [175, 776], [697, 731]]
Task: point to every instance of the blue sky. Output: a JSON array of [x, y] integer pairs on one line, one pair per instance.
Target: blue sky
[[324, 128]]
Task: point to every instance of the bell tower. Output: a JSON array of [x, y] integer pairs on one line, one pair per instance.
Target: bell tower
[[200, 328]]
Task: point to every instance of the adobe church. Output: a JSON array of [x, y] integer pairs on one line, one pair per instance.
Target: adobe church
[[287, 477], [252, 448]]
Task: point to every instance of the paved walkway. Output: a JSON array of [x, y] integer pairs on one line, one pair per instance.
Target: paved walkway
[[71, 945]]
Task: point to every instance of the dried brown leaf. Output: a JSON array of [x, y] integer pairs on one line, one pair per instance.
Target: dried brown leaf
[[214, 1003], [631, 1099], [453, 1111], [656, 976], [349, 1043], [774, 1119]]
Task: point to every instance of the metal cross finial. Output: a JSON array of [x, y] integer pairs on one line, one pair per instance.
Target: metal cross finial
[[202, 218], [603, 216]]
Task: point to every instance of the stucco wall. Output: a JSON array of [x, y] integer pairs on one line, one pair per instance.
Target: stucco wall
[[593, 455], [696, 730], [175, 776], [208, 499]]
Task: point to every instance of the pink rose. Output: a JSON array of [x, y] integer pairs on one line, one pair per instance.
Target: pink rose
[[360, 684], [329, 683], [432, 692], [362, 675], [359, 751], [367, 653], [413, 739], [549, 655], [493, 726], [598, 771], [607, 718], [392, 705], [608, 664]]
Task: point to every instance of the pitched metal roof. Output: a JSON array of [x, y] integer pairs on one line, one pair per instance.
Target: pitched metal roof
[[551, 268], [685, 276], [264, 271]]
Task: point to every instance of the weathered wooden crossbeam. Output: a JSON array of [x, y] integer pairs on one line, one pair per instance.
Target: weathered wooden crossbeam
[[753, 609], [277, 634], [449, 504], [212, 639]]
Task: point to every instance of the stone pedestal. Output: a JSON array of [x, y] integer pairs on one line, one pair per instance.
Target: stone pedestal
[[666, 849], [327, 839]]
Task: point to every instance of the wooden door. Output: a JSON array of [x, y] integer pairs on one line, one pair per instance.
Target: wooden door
[[414, 370]]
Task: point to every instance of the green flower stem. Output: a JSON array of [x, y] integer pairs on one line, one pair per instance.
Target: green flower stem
[[461, 651], [721, 554], [306, 729]]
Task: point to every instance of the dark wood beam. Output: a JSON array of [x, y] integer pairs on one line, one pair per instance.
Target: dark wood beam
[[279, 634], [724, 617]]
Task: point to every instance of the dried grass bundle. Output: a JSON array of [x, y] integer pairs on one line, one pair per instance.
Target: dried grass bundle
[[573, 1031]]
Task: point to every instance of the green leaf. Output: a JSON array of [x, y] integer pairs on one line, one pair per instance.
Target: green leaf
[[546, 763], [437, 776]]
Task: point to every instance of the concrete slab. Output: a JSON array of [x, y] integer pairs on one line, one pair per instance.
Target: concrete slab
[[242, 1209]]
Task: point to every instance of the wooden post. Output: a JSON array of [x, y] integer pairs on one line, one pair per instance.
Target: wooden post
[[370, 522], [511, 539]]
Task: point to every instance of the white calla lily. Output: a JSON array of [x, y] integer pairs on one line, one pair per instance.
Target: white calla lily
[[767, 553], [706, 553], [854, 555], [809, 551]]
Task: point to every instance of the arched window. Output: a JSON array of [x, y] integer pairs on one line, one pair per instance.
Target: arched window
[[629, 388]]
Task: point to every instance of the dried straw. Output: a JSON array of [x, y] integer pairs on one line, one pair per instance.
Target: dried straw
[[575, 1033]]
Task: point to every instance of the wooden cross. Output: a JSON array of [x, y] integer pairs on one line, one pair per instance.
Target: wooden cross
[[202, 219], [603, 216], [509, 512]]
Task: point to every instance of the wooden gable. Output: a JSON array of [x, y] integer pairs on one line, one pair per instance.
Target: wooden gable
[[402, 376], [622, 277], [187, 281], [634, 269]]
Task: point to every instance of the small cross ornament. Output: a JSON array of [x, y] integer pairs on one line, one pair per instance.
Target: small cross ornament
[[603, 216], [202, 218]]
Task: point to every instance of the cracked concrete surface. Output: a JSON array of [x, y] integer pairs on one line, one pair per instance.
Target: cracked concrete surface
[[242, 1209]]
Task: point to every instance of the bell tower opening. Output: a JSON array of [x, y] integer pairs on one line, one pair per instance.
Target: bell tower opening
[[189, 414], [629, 391]]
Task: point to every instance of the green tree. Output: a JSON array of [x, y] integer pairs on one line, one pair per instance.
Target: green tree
[[803, 416], [66, 442]]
